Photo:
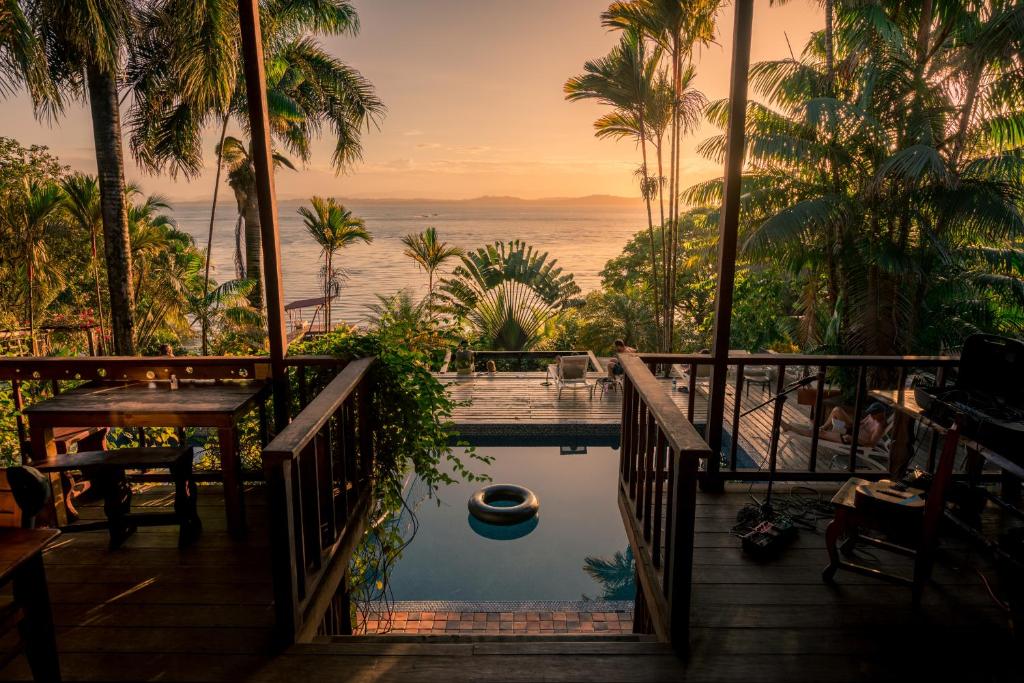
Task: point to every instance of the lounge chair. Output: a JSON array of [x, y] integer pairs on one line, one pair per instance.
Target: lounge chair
[[571, 372], [874, 458]]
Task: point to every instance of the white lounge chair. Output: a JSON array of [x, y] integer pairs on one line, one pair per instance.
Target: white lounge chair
[[571, 373], [874, 458]]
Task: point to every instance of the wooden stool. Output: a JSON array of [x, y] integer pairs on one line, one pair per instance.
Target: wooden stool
[[107, 470]]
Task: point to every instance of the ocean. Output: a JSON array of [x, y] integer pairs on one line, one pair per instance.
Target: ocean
[[581, 234]]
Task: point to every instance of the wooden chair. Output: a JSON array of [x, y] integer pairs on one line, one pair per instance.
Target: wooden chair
[[905, 531], [107, 469], [571, 373]]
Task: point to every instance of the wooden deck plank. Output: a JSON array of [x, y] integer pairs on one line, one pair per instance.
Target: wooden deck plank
[[198, 616]]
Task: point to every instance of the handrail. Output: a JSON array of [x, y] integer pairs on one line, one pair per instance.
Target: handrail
[[863, 374], [680, 432], [119, 368], [304, 428], [788, 359], [319, 489], [659, 458]]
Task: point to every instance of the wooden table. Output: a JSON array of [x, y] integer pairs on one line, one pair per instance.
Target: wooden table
[[21, 562], [136, 404]]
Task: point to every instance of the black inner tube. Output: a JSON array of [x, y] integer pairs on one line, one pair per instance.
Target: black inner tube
[[524, 504]]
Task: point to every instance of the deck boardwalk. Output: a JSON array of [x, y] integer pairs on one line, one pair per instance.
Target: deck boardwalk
[[521, 404], [150, 611]]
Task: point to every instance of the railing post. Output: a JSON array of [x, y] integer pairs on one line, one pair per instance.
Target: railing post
[[858, 407], [679, 574], [819, 403], [736, 405], [282, 545]]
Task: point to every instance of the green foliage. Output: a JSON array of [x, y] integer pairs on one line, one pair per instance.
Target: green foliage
[[50, 221], [508, 293], [880, 168], [411, 410]]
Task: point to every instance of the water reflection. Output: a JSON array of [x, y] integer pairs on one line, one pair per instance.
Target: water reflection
[[503, 532], [615, 574]]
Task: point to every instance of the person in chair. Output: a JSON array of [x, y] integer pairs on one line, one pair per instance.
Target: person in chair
[[840, 426]]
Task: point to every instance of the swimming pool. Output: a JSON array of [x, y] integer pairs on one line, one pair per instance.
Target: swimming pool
[[453, 557]]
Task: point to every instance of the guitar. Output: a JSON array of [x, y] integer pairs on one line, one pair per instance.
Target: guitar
[[886, 492]]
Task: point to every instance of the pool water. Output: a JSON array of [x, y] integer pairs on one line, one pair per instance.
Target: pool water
[[455, 557]]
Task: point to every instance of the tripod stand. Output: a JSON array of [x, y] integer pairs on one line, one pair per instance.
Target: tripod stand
[[773, 447]]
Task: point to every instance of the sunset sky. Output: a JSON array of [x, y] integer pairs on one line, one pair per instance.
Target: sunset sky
[[475, 104]]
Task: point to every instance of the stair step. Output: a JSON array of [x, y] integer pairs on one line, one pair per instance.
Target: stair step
[[488, 638], [448, 646]]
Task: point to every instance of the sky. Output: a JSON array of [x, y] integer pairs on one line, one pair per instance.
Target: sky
[[475, 104]]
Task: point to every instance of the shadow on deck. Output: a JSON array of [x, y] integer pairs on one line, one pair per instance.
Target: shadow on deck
[[152, 612]]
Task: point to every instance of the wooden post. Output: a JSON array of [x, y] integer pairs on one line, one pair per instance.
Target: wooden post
[[727, 229], [259, 132]]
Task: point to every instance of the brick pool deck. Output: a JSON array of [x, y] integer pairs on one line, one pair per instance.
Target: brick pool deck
[[497, 623]]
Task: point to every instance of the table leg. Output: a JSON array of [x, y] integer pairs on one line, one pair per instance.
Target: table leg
[[43, 448], [36, 628], [231, 473]]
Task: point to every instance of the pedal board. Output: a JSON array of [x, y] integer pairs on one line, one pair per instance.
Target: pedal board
[[769, 537]]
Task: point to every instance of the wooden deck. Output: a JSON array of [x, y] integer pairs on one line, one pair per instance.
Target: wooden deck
[[149, 611], [521, 404]]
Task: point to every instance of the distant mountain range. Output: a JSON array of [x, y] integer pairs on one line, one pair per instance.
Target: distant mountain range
[[487, 200]]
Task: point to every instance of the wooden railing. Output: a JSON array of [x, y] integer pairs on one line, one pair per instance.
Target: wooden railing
[[36, 378], [820, 376], [318, 472], [660, 455], [520, 361]]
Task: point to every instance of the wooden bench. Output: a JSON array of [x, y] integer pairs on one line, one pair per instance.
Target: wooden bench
[[107, 470]]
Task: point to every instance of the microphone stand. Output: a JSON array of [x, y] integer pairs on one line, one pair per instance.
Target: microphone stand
[[773, 448]]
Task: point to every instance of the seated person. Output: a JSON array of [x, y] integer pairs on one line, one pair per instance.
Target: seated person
[[840, 426], [614, 366]]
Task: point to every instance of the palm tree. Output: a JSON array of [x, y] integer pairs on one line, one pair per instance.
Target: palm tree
[[676, 26], [83, 204], [188, 73], [242, 181], [509, 293], [23, 59], [223, 307], [29, 216], [334, 228], [429, 253], [629, 79], [86, 44], [626, 79]]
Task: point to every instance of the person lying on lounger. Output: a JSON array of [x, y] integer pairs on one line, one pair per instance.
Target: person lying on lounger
[[840, 426]]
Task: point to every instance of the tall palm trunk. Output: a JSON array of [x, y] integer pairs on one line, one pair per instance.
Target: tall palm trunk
[[96, 280], [645, 191], [213, 216], [830, 51], [31, 307], [673, 200], [327, 290], [106, 127], [253, 259]]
